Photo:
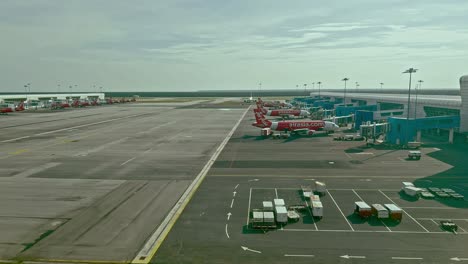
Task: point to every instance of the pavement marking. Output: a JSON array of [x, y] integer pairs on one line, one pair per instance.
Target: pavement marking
[[248, 209], [37, 169], [232, 202], [349, 156], [462, 229], [19, 151], [308, 209], [102, 147], [236, 186], [432, 220], [340, 210], [154, 242], [79, 261], [405, 258], [429, 207], [276, 193], [384, 177], [148, 150], [368, 231], [305, 256], [234, 194], [404, 211], [348, 257], [251, 250], [271, 188], [86, 125], [379, 219], [127, 161], [456, 219], [227, 234], [14, 139], [229, 216], [458, 259]]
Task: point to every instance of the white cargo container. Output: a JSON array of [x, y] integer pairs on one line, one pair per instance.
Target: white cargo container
[[317, 209], [265, 132], [257, 219], [320, 188], [412, 191], [281, 214], [267, 206], [380, 211], [268, 218], [396, 213], [279, 202]]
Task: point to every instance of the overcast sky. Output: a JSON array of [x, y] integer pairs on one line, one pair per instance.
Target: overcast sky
[[157, 45]]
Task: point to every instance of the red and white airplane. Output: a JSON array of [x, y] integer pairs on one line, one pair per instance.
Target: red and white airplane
[[272, 103], [297, 127], [282, 112], [20, 107], [5, 109]]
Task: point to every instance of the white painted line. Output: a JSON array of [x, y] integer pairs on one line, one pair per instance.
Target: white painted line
[[348, 257], [37, 169], [148, 150], [304, 256], [234, 194], [462, 229], [127, 161], [270, 188], [248, 209], [458, 219], [85, 125], [251, 250], [14, 139], [367, 231], [432, 220], [429, 207], [379, 219], [340, 211], [154, 242], [348, 155], [404, 211], [310, 212], [227, 234], [406, 258], [236, 186], [276, 193], [232, 202]]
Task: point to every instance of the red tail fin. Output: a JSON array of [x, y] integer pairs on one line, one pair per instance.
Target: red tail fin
[[260, 118], [259, 106]]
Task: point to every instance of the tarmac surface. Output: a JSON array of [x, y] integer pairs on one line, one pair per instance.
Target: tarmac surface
[[214, 227], [91, 185]]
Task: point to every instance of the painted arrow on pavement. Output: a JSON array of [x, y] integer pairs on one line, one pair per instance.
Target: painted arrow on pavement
[[251, 250]]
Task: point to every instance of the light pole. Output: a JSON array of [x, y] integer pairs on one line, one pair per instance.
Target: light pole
[[381, 85], [357, 86], [305, 89], [416, 100], [58, 87], [319, 84], [344, 95], [410, 71]]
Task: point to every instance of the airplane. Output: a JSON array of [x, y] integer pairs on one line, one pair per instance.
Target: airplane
[[4, 109], [273, 103], [20, 107], [295, 127], [282, 112]]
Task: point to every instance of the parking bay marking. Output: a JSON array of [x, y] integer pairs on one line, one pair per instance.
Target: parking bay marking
[[305, 256], [409, 258], [227, 234], [340, 211]]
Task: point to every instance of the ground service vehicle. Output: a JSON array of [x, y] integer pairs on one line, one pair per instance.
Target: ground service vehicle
[[412, 191], [320, 188], [362, 209], [265, 132], [414, 155], [263, 220], [306, 191], [395, 212], [379, 211], [281, 214], [449, 225], [317, 209]]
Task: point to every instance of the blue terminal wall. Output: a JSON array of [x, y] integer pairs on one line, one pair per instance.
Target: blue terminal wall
[[351, 110], [362, 116], [405, 130]]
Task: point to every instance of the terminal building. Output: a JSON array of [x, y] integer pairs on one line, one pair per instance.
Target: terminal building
[[46, 96], [426, 112]]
